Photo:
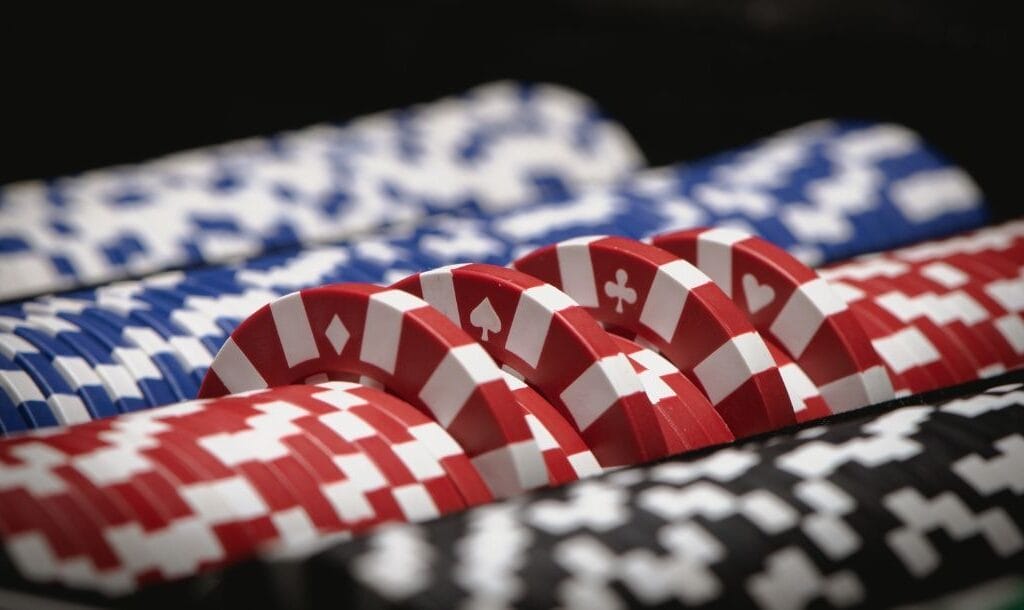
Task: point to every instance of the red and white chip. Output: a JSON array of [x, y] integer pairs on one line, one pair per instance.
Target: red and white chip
[[167, 493], [685, 410], [414, 425], [676, 308], [907, 354], [808, 403], [403, 343], [566, 454], [794, 308], [557, 347], [971, 349], [419, 484]]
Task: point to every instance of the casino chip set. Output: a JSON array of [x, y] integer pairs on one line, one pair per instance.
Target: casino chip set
[[480, 382], [313, 393]]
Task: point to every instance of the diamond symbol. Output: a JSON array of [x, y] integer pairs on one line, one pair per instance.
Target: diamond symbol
[[337, 334]]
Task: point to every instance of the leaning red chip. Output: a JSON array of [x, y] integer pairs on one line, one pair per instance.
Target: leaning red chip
[[557, 347], [403, 343], [685, 409], [793, 307], [674, 306], [566, 454]]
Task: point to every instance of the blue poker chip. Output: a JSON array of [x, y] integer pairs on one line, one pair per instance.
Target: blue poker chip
[[155, 390], [212, 341], [29, 399], [64, 404], [215, 281], [185, 289], [178, 376], [90, 390], [11, 419], [182, 387], [169, 330], [98, 355]]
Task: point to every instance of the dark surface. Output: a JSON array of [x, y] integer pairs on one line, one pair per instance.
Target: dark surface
[[686, 77]]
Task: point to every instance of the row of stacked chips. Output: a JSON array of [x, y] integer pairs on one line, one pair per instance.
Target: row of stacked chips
[[828, 189], [493, 147], [97, 506], [823, 191]]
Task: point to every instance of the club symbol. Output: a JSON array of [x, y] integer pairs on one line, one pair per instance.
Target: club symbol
[[619, 291]]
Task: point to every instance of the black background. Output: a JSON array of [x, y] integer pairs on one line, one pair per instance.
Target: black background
[[687, 78]]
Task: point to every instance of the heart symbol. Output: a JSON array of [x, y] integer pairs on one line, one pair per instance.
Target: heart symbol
[[758, 295]]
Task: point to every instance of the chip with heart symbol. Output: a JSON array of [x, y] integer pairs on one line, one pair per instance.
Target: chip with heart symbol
[[792, 307]]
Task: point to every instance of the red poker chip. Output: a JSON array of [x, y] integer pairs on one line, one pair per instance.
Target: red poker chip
[[675, 307], [557, 347], [321, 463], [565, 453], [297, 514], [808, 403], [98, 506], [121, 538], [970, 319], [64, 518], [353, 484], [904, 349], [952, 314], [219, 494], [424, 445], [997, 286], [898, 300], [23, 518], [794, 308], [420, 484], [410, 348], [1003, 326], [686, 411], [435, 440]]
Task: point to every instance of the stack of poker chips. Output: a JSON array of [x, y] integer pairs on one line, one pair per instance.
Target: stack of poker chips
[[490, 148], [387, 387]]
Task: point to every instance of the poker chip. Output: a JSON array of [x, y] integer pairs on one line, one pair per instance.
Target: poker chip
[[978, 283], [216, 481], [412, 423], [556, 347], [66, 405], [676, 307], [75, 371], [904, 351], [22, 390], [808, 403], [231, 476], [792, 307], [119, 384], [907, 294], [684, 409], [146, 374], [953, 316], [401, 342], [10, 418], [150, 328], [565, 453], [497, 147], [896, 301], [357, 413]]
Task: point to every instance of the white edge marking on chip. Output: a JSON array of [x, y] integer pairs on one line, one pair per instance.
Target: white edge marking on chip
[[576, 269], [293, 329]]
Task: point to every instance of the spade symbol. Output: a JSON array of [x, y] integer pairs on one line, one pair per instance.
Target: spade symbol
[[485, 318]]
